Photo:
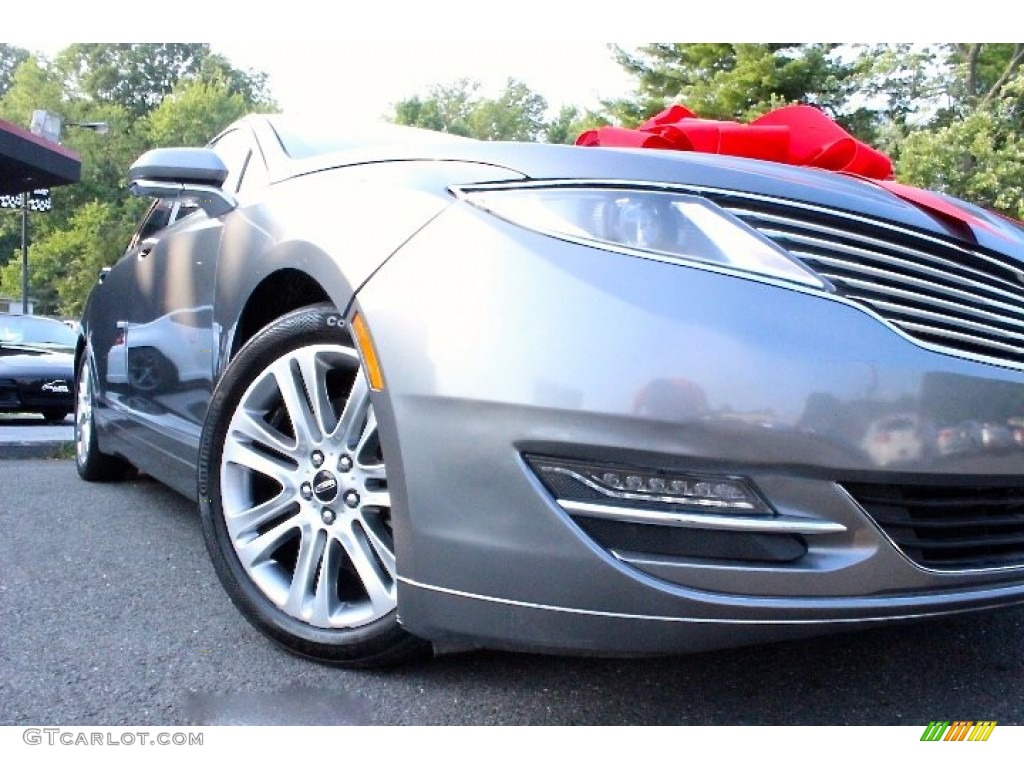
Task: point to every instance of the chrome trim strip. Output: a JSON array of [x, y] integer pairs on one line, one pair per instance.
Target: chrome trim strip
[[704, 521], [700, 620], [744, 213], [965, 337], [933, 322], [974, 357], [886, 261], [924, 285], [947, 318]]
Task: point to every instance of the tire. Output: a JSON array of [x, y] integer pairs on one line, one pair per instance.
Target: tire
[[55, 415], [297, 518], [92, 465]]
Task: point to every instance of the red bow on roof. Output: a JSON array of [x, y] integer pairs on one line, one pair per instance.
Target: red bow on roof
[[796, 135]]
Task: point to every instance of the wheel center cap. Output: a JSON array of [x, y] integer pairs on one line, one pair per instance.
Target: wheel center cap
[[325, 486]]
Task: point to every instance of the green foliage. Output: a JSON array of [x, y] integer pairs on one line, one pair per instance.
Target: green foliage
[[979, 157], [10, 57], [445, 108], [517, 114], [570, 123], [134, 75], [249, 84], [736, 80], [150, 95], [194, 113], [66, 261], [980, 72], [33, 86]]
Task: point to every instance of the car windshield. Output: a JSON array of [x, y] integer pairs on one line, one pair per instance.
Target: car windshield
[[306, 138], [35, 332]]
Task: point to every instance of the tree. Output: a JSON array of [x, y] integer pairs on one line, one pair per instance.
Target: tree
[[516, 114], [150, 95], [194, 112], [10, 58], [64, 263], [892, 84], [956, 124], [984, 70], [251, 85], [33, 85], [734, 80], [570, 122], [979, 157], [135, 75], [445, 108]]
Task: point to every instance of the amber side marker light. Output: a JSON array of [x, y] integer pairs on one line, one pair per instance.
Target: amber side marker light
[[368, 353]]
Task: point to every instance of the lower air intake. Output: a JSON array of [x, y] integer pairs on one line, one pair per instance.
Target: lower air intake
[[949, 528]]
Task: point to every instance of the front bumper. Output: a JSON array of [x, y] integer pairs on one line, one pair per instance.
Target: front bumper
[[521, 344], [27, 393]]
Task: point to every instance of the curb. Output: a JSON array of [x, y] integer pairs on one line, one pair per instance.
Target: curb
[[52, 449]]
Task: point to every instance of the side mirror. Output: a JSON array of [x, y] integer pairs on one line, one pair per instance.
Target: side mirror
[[180, 165], [187, 172]]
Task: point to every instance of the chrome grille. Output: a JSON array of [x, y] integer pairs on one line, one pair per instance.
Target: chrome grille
[[961, 299]]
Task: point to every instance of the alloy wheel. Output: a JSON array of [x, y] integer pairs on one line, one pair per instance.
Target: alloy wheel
[[303, 490], [83, 412]]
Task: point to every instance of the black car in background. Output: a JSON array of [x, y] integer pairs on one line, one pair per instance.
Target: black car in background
[[36, 366]]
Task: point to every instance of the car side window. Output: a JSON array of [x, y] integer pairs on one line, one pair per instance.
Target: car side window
[[234, 148], [156, 218]]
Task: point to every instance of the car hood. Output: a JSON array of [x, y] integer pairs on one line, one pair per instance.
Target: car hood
[[852, 194], [27, 361]]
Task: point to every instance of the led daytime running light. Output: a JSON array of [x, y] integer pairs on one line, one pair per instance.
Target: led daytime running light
[[713, 493]]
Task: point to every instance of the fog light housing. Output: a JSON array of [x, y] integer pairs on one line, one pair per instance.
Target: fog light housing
[[582, 481]]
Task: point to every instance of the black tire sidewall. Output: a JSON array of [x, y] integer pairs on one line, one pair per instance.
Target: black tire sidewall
[[96, 465]]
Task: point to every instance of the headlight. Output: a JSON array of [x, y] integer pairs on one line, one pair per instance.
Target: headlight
[[652, 224]]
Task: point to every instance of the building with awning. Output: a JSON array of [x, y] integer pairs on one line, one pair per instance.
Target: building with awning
[[29, 162]]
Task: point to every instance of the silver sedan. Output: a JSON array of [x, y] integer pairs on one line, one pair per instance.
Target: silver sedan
[[446, 394]]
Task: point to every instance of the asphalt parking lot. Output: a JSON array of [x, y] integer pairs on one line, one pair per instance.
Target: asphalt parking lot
[[111, 614]]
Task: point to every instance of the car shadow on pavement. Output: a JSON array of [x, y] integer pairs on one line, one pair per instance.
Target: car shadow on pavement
[[964, 667]]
